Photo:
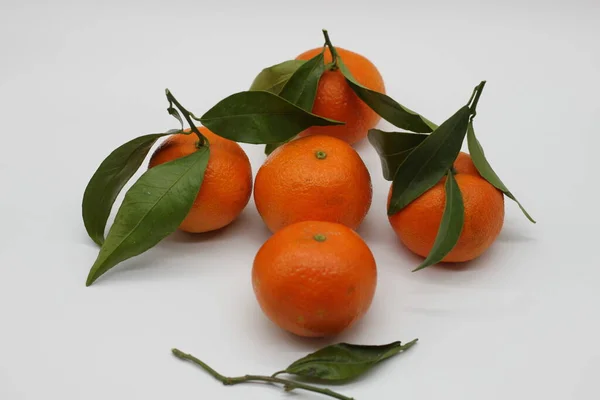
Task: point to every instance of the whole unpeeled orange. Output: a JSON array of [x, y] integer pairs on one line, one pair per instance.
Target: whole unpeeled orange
[[336, 100], [314, 278], [417, 224], [227, 183], [318, 178]]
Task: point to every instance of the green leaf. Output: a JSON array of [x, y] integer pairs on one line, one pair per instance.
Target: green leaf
[[393, 148], [260, 117], [485, 169], [273, 78], [429, 161], [387, 107], [108, 180], [301, 88], [152, 209], [450, 226], [344, 361]]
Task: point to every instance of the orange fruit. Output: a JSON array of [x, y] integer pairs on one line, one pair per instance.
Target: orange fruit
[[227, 183], [417, 224], [464, 165], [316, 178], [336, 100], [314, 278]]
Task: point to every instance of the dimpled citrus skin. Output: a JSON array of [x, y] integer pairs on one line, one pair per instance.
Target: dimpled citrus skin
[[227, 183], [417, 224], [464, 165], [314, 287], [336, 100], [295, 185]]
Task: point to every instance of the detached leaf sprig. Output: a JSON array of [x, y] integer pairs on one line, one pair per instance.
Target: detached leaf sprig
[[336, 363]]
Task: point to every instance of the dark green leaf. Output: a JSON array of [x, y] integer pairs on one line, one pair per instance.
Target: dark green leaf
[[429, 161], [393, 148], [152, 209], [485, 169], [344, 361], [260, 117], [108, 180], [273, 78], [387, 107], [450, 226], [301, 88]]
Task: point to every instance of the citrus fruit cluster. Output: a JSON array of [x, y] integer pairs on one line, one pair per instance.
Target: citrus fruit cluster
[[315, 276]]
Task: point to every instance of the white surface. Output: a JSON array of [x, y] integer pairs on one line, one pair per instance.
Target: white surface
[[78, 78]]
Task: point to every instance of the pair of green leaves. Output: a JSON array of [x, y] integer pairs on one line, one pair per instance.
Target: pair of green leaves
[[337, 363], [153, 207], [296, 81], [416, 162]]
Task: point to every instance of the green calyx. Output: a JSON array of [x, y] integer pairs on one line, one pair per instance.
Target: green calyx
[[319, 237]]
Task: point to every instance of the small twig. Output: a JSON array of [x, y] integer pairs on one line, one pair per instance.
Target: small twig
[[334, 53], [288, 385], [187, 115]]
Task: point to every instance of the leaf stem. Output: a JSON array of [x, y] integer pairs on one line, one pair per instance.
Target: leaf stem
[[475, 98], [334, 54], [188, 117], [288, 385]]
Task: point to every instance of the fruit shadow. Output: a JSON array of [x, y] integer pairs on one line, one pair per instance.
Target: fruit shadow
[[509, 234], [164, 256], [445, 270]]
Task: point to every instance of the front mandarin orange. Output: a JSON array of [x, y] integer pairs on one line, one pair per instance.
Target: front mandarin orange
[[314, 278]]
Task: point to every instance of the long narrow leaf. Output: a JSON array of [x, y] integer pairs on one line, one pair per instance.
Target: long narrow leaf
[[429, 161], [485, 169], [386, 107], [450, 226], [260, 117]]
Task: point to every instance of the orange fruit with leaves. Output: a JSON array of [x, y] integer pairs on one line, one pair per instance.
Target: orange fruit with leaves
[[314, 278], [315, 178], [336, 100], [227, 183], [417, 224]]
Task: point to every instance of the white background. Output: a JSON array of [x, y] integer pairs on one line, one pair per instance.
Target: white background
[[78, 79]]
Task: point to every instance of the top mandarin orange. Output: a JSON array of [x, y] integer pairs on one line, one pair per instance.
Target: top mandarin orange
[[336, 100]]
